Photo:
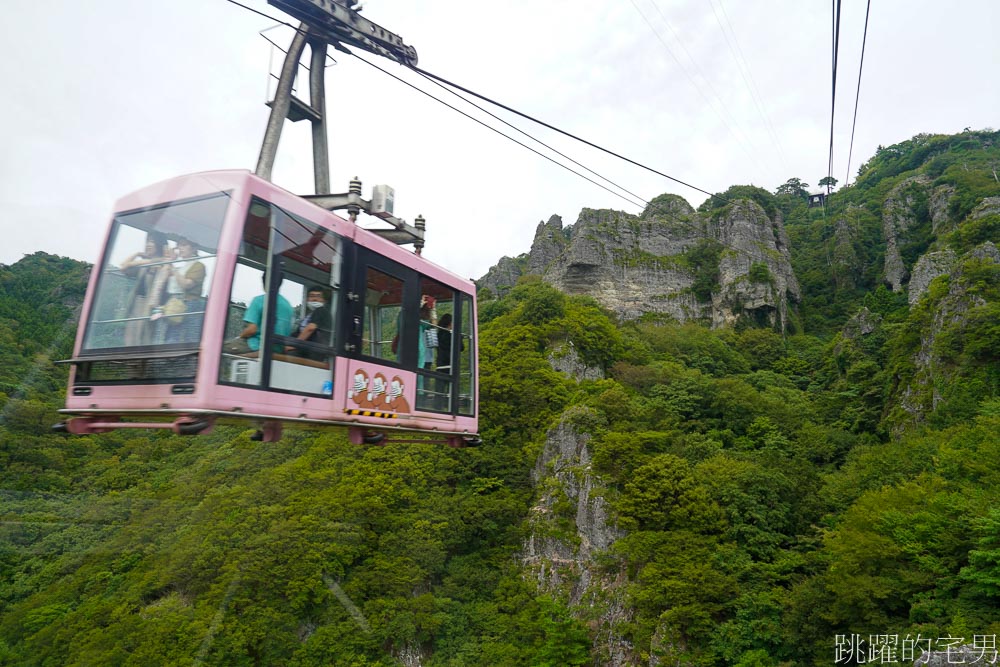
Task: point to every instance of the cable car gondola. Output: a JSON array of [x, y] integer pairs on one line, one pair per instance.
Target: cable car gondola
[[191, 316]]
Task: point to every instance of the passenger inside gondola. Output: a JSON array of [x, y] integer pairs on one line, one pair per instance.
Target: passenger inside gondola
[[315, 326], [427, 345], [249, 339], [148, 271], [184, 308]]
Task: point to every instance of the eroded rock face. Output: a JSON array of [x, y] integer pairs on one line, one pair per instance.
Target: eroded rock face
[[940, 199], [565, 360], [550, 239], [862, 324], [749, 238], [504, 274], [929, 267], [899, 219], [922, 394], [967, 654], [989, 206], [651, 263], [571, 525]]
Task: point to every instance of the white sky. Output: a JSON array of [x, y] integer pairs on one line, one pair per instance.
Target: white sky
[[105, 97]]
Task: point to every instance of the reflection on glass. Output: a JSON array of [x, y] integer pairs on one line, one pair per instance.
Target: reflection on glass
[[309, 260], [383, 304], [466, 359], [155, 274], [437, 305]]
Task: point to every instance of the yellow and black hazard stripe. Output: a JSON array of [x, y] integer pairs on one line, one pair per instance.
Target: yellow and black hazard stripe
[[372, 413]]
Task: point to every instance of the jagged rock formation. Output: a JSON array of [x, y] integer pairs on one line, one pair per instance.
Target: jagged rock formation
[[504, 274], [670, 260], [938, 208], [862, 324], [550, 240], [923, 392], [907, 212], [929, 267], [967, 654], [567, 361], [571, 525], [989, 206], [753, 243]]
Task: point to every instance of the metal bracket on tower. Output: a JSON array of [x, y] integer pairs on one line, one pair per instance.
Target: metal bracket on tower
[[401, 233], [330, 22], [336, 21]]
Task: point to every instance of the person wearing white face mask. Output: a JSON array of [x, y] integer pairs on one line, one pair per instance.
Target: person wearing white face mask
[[316, 326]]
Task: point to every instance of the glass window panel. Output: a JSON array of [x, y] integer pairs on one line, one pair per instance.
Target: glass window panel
[[437, 307], [466, 359], [239, 358], [310, 259], [383, 309], [434, 346], [155, 276]]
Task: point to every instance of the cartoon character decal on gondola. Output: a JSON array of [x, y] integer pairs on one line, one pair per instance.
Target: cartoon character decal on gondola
[[359, 389], [394, 398], [376, 393]]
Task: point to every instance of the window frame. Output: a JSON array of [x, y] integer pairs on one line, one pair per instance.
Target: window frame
[[152, 350], [274, 267]]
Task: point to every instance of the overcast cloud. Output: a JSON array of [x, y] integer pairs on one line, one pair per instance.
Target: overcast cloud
[[109, 96]]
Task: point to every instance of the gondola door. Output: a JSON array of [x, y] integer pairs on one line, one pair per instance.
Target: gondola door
[[381, 336]]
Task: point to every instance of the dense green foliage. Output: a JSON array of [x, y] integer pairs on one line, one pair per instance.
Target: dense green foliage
[[771, 492], [148, 549]]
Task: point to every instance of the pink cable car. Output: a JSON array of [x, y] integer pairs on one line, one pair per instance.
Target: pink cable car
[[222, 297]]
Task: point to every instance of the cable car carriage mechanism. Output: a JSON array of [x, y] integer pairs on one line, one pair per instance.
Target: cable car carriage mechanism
[[220, 297]]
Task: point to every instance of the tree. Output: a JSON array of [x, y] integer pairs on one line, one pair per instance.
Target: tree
[[829, 181], [794, 187]]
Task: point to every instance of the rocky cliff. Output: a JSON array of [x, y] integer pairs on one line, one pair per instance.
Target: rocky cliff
[[953, 306], [714, 268], [915, 213], [570, 528]]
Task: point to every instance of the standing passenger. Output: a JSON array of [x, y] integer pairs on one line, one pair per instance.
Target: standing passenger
[[144, 267], [185, 303]]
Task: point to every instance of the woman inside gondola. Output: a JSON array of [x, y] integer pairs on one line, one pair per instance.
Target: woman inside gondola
[[147, 268], [184, 305]]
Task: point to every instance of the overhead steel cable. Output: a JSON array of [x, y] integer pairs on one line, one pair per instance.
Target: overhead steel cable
[[656, 208], [647, 204], [489, 127], [743, 64], [564, 132], [857, 95], [741, 138], [536, 139], [480, 96], [833, 97]]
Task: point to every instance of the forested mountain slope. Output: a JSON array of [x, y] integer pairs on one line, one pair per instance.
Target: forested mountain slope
[[648, 491]]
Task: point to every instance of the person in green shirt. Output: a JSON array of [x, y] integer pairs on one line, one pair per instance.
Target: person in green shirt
[[250, 336]]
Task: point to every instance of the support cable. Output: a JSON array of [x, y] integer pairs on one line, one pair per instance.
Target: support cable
[[446, 82], [517, 129], [857, 95], [489, 127], [833, 97], [564, 132]]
